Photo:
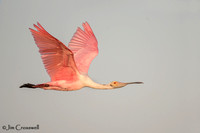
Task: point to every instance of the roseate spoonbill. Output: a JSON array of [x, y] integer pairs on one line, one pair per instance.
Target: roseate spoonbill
[[68, 67]]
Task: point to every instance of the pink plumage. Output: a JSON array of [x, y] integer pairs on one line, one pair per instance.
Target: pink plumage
[[57, 58], [68, 68], [84, 46]]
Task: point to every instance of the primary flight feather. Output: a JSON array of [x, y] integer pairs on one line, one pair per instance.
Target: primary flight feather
[[68, 67]]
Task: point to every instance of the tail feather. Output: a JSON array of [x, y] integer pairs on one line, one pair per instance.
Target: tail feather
[[28, 85]]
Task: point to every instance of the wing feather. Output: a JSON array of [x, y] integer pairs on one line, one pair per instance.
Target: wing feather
[[84, 45], [57, 58]]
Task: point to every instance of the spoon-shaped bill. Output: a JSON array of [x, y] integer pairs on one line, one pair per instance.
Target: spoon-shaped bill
[[135, 83]]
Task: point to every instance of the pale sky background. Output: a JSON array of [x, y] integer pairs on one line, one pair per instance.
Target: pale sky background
[[154, 41]]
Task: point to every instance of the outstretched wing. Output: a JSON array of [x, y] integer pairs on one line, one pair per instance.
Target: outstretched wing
[[57, 58], [84, 45]]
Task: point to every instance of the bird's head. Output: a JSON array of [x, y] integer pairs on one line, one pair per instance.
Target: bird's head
[[116, 84]]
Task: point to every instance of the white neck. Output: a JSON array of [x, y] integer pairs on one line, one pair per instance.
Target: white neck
[[90, 83], [100, 86]]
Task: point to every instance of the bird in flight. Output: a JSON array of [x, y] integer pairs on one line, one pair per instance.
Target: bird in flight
[[68, 66]]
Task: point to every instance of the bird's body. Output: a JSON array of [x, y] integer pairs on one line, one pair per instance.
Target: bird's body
[[82, 81], [68, 67]]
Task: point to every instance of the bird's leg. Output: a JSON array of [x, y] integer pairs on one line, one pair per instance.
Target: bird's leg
[[55, 88], [28, 85], [41, 85]]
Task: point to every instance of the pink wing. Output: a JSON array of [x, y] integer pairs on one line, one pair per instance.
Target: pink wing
[[57, 58], [84, 46]]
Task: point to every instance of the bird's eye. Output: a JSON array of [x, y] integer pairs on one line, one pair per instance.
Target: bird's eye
[[114, 82]]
